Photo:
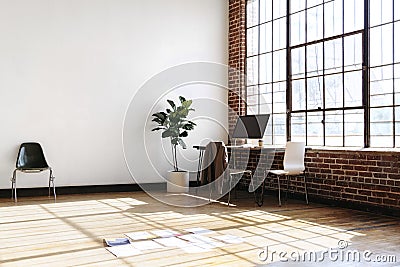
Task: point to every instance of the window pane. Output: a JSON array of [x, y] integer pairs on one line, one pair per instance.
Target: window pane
[[353, 15], [397, 42], [252, 102], [279, 28], [279, 96], [334, 91], [353, 89], [252, 41], [265, 99], [298, 95], [381, 86], [266, 37], [315, 58], [297, 28], [298, 63], [252, 110], [298, 121], [265, 109], [311, 3], [333, 56], [334, 128], [265, 10], [382, 45], [266, 68], [382, 127], [252, 70], [279, 9], [397, 117], [315, 23], [381, 11], [279, 65], [333, 18], [297, 5], [252, 90], [315, 93], [279, 129], [314, 129], [252, 12], [353, 52], [354, 128], [396, 10], [397, 83]]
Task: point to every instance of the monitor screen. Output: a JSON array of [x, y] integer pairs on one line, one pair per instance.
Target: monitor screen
[[251, 126]]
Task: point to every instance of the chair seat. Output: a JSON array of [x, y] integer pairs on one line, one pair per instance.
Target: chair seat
[[33, 169], [238, 171], [279, 172]]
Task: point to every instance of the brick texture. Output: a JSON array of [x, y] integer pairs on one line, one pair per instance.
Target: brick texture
[[236, 60], [360, 177]]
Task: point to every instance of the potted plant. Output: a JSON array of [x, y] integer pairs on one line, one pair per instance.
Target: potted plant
[[175, 126]]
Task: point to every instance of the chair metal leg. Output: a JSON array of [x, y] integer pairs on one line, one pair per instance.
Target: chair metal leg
[[305, 187], [279, 191], [14, 186], [260, 201], [230, 189], [51, 182]]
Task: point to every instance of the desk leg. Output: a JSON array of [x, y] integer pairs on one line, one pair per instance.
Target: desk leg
[[199, 165]]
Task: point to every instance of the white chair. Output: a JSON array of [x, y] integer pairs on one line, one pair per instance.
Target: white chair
[[293, 165]]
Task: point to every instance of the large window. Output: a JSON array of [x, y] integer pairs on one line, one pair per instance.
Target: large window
[[305, 63]]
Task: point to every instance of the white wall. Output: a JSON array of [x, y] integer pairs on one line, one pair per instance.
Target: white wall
[[69, 68]]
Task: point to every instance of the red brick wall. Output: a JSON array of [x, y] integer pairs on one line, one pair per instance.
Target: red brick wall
[[236, 60], [362, 178], [358, 177]]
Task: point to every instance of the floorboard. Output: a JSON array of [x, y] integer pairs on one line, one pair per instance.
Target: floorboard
[[38, 231]]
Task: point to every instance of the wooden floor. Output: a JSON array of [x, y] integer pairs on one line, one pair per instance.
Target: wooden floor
[[39, 232]]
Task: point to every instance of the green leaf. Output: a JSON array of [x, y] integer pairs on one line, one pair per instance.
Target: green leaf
[[182, 99], [166, 133], [188, 127], [183, 145], [157, 128], [172, 104], [183, 134]]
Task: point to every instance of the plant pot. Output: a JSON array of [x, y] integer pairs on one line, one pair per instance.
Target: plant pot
[[178, 182]]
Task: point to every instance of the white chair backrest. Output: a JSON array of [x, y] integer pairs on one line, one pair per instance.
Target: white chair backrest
[[293, 161]]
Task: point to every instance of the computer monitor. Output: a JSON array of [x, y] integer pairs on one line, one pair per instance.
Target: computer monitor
[[251, 126]]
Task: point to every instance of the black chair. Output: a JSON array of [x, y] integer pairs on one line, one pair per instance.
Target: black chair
[[30, 160]]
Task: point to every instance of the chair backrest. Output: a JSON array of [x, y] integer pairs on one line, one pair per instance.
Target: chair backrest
[[293, 161], [215, 161], [31, 156]]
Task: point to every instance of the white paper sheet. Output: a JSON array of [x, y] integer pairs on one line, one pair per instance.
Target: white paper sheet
[[124, 251], [230, 239], [199, 230], [171, 242], [165, 233], [202, 241], [140, 235], [146, 245]]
